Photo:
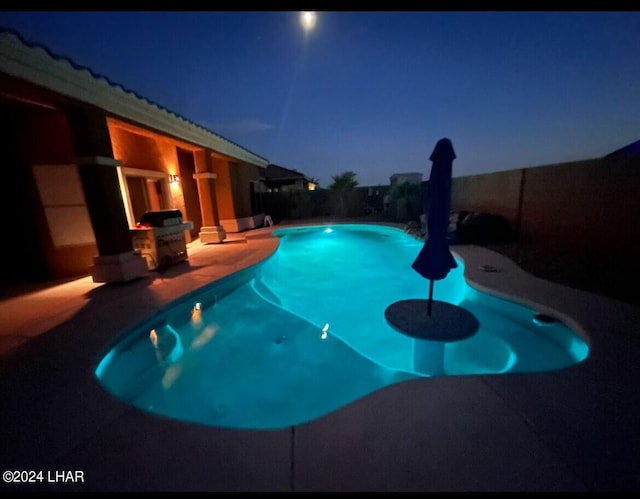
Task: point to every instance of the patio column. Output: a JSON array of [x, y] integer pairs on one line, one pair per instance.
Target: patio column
[[116, 260], [211, 230]]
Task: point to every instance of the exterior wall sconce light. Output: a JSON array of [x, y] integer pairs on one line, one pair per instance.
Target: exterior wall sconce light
[[174, 179]]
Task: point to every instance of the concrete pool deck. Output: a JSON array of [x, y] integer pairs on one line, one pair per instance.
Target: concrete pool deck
[[576, 429]]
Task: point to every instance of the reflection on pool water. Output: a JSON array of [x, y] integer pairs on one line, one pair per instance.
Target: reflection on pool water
[[304, 333]]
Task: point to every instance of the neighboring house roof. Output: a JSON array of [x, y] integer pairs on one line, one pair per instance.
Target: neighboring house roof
[[282, 174], [632, 149], [35, 63]]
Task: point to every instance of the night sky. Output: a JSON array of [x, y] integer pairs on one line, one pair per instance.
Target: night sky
[[372, 92]]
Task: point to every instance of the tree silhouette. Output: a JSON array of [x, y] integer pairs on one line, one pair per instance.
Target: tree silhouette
[[344, 181], [406, 197]]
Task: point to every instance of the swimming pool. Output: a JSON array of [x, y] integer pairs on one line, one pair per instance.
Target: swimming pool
[[304, 333]]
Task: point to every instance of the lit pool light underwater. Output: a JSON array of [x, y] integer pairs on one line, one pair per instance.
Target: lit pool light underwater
[[304, 333]]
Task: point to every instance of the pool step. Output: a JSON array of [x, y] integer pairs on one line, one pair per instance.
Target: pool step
[[265, 292]]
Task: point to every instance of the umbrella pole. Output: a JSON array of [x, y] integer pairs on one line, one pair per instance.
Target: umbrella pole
[[430, 297]]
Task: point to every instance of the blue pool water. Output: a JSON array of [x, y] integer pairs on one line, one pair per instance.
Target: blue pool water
[[304, 333]]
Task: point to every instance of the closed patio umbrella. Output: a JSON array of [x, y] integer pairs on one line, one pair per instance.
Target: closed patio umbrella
[[435, 259], [413, 317]]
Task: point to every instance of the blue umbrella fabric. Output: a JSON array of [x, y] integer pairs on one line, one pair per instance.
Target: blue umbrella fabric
[[435, 259]]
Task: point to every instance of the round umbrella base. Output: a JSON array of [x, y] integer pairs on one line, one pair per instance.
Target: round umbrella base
[[447, 322]]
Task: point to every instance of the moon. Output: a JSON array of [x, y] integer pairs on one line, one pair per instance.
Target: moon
[[308, 20]]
